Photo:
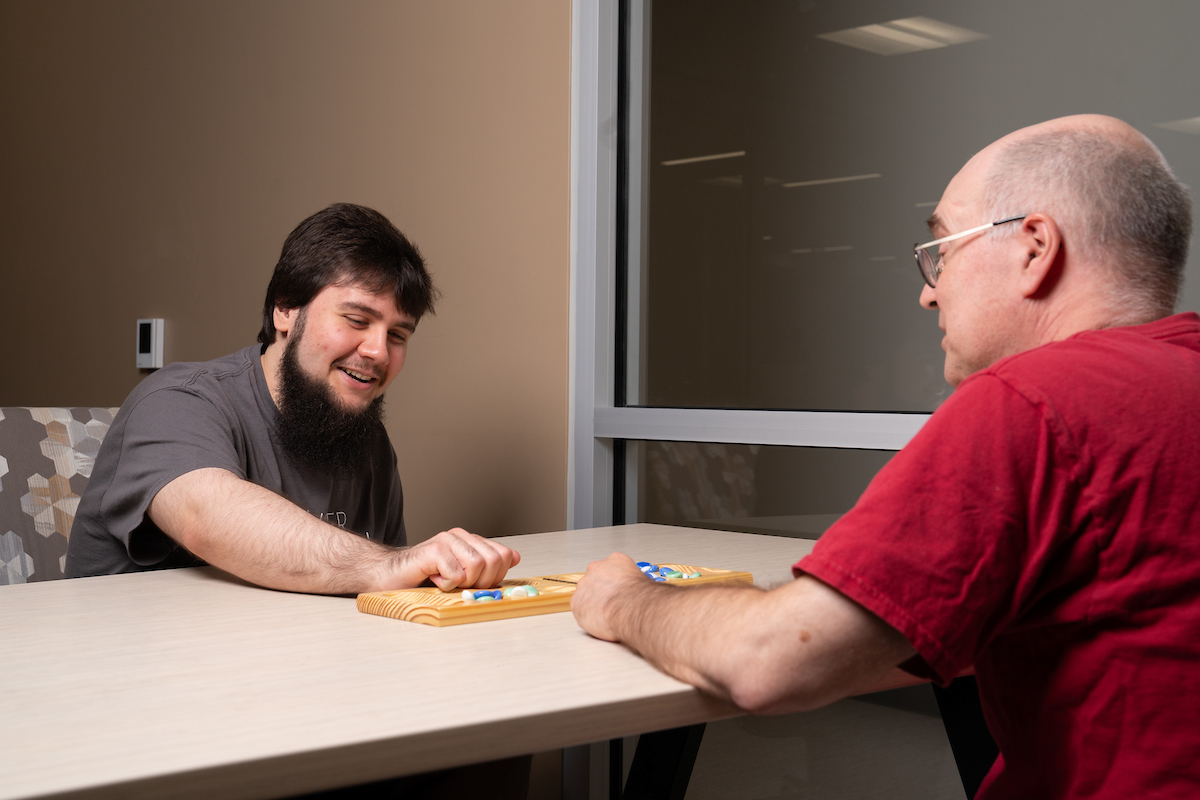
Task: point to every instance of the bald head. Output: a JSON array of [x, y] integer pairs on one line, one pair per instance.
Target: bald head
[[1112, 194]]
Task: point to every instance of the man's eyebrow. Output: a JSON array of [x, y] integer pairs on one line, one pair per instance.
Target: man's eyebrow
[[935, 222], [374, 313]]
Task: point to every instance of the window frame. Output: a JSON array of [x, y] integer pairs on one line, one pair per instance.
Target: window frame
[[599, 419]]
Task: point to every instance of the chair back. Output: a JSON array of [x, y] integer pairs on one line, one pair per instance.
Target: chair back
[[46, 458]]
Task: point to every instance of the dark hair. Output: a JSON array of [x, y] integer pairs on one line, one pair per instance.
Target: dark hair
[[345, 243]]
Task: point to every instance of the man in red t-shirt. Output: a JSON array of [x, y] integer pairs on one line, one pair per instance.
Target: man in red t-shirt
[[1042, 528]]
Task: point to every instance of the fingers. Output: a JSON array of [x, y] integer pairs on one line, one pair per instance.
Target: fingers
[[462, 559]]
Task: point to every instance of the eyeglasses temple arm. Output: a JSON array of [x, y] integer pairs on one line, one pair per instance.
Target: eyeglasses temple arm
[[968, 232]]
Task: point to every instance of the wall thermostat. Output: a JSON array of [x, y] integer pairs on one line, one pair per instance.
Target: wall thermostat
[[149, 343]]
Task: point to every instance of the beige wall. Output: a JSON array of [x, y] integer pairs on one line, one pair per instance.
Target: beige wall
[[154, 156]]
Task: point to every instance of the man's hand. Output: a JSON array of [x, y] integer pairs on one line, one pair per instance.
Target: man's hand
[[614, 577], [266, 539], [454, 559], [797, 647]]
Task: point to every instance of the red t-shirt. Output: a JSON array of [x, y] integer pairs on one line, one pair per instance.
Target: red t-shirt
[[1044, 525]]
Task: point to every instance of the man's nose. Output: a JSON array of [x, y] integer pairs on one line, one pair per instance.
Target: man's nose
[[374, 344], [928, 297]]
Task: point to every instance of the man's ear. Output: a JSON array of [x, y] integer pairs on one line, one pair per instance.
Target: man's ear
[[1041, 241], [285, 319]]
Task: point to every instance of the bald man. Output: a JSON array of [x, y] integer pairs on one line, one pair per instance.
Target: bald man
[[1042, 528]]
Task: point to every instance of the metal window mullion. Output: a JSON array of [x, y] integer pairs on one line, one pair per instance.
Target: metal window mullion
[[858, 430], [593, 183]]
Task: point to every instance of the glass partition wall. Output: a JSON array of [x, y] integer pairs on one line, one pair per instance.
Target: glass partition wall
[[748, 179], [773, 163]]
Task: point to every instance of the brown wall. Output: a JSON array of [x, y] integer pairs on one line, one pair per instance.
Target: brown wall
[[154, 156]]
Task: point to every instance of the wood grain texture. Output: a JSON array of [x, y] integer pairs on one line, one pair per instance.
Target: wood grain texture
[[192, 684], [429, 605]]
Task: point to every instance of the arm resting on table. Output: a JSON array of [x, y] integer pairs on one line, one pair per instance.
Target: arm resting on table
[[266, 539], [797, 647]]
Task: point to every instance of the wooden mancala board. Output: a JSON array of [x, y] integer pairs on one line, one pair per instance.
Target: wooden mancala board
[[429, 605]]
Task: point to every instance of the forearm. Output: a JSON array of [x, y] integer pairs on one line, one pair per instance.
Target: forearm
[[672, 628], [264, 538], [714, 638], [797, 647]]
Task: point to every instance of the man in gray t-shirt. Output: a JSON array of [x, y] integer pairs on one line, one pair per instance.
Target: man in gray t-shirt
[[273, 463]]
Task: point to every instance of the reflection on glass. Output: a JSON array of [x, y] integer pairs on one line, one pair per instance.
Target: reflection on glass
[[784, 491], [788, 153]]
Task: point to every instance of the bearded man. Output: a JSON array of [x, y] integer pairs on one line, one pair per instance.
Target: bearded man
[[273, 463]]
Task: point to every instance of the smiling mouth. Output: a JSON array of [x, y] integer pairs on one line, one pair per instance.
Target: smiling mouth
[[357, 376]]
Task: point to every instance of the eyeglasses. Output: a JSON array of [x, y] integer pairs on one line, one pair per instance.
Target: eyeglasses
[[930, 269]]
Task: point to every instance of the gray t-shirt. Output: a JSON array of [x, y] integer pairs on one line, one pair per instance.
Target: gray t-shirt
[[190, 416]]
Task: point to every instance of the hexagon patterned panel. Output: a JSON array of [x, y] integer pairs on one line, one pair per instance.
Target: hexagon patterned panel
[[46, 458]]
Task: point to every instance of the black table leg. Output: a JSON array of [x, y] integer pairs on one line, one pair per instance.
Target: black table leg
[[974, 749], [616, 764], [662, 764]]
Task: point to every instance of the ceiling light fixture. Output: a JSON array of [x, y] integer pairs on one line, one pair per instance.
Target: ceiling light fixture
[[900, 36], [1191, 126], [821, 181], [838, 249], [728, 181], [696, 159]]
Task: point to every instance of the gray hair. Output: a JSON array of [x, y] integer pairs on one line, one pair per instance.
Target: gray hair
[[1116, 202]]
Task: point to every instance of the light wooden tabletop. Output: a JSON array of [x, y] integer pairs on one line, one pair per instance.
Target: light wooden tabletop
[[190, 683]]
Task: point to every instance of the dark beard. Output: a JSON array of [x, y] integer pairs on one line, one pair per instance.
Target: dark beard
[[314, 429]]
